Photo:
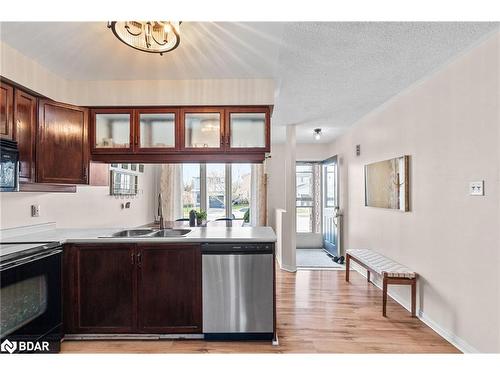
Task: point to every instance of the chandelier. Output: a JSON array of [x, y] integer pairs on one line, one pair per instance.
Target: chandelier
[[148, 36]]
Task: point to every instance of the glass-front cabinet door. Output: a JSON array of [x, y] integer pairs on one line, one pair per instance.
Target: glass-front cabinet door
[[247, 129], [202, 129], [156, 130], [112, 130]]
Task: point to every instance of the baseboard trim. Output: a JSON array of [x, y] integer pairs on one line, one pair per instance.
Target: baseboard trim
[[453, 339], [284, 267]]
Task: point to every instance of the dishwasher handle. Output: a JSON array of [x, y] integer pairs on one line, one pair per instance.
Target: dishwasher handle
[[232, 248]]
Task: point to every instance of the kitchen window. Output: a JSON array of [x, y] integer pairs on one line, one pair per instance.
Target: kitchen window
[[223, 190]]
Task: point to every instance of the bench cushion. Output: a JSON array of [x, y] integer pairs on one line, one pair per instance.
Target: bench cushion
[[381, 264]]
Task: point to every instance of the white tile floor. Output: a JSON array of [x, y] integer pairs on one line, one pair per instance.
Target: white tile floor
[[315, 258]]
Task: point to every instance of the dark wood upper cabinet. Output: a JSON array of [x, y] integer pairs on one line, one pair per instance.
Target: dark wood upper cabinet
[[112, 131], [6, 111], [99, 288], [169, 288], [25, 119], [247, 129], [202, 130], [62, 143], [181, 134], [156, 130]]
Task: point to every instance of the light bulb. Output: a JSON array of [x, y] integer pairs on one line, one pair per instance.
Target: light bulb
[[317, 134]]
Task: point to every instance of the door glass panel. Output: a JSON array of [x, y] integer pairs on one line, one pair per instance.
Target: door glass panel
[[112, 130], [202, 130], [216, 191], [330, 185], [191, 192], [330, 210], [241, 179], [157, 130], [248, 130]]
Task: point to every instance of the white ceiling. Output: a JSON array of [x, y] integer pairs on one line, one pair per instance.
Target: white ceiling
[[327, 75]]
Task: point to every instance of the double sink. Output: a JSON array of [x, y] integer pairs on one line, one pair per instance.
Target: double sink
[[151, 233]]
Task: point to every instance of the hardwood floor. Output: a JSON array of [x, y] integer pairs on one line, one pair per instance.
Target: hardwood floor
[[318, 312]]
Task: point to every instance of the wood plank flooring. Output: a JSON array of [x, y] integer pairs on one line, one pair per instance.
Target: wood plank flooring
[[318, 312]]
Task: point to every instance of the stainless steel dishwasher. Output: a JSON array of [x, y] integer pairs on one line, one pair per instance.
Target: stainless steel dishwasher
[[238, 291]]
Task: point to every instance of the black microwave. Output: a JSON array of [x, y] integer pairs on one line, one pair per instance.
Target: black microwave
[[9, 165]]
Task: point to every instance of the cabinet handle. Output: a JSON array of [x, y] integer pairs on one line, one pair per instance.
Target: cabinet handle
[[139, 259], [132, 259]]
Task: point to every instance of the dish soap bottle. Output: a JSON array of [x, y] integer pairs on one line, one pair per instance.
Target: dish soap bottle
[[192, 218]]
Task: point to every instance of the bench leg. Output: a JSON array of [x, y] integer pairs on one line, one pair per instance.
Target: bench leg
[[384, 296], [414, 298], [368, 275], [347, 267]]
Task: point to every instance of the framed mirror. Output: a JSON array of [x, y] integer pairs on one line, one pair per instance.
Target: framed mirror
[[387, 184]]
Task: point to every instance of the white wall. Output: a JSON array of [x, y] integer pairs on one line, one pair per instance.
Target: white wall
[[313, 151], [275, 170], [449, 125], [24, 71], [90, 206]]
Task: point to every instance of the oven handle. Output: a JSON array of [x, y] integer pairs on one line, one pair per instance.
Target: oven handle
[[29, 259]]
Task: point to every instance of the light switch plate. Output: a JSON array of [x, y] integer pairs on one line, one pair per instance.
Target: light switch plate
[[476, 188], [35, 210]]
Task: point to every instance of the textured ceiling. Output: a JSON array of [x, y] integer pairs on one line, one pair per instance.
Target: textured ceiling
[[327, 75], [342, 71]]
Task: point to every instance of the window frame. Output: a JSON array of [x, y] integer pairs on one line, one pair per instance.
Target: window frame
[[228, 183]]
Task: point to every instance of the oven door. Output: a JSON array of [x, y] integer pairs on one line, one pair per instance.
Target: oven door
[[30, 303]]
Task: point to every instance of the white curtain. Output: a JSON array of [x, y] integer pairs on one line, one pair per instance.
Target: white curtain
[[258, 196], [171, 191]]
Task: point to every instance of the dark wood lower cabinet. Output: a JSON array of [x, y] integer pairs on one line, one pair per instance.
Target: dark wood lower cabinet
[[169, 291], [129, 288], [101, 282]]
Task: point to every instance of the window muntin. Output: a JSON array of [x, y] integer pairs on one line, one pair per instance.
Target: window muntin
[[241, 178], [191, 192]]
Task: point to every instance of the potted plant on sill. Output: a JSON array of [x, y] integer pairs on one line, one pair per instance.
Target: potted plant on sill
[[200, 217]]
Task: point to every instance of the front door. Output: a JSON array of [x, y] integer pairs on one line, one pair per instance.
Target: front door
[[330, 202]]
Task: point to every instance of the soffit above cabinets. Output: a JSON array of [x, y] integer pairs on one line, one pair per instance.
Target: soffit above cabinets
[[90, 51]]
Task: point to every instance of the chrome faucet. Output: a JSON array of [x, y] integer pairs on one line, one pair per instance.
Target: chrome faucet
[[160, 212]]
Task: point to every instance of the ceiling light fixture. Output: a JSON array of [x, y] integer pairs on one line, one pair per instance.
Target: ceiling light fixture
[[317, 134], [148, 36]]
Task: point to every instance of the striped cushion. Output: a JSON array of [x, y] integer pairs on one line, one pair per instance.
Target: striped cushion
[[381, 264]]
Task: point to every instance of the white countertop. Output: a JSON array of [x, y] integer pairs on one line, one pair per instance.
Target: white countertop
[[85, 235]]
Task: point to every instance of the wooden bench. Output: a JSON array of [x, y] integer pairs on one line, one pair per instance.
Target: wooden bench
[[390, 271]]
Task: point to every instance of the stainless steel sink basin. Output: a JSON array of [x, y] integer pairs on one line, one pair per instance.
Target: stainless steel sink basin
[[133, 233], [170, 233]]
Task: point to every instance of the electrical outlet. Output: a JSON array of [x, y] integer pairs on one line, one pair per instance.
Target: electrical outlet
[[476, 188], [35, 210]]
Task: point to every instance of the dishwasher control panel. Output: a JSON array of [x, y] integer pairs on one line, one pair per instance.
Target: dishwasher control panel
[[224, 248]]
